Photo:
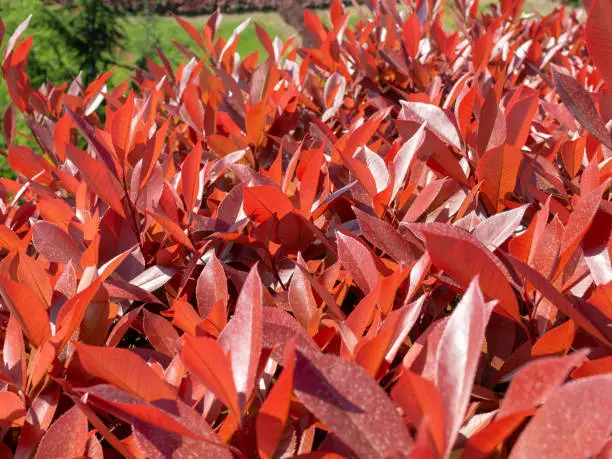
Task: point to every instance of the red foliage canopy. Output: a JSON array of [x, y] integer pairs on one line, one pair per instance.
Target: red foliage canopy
[[395, 244]]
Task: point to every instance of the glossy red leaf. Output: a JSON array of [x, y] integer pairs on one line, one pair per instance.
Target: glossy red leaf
[[574, 422], [98, 178], [422, 405], [122, 130], [160, 333], [385, 237], [458, 356], [497, 171], [534, 383], [411, 35], [190, 176], [491, 124], [206, 359], [436, 119], [13, 352], [163, 413], [463, 257], [273, 415], [555, 297], [404, 159], [495, 230], [578, 224], [12, 410], [242, 337], [67, 436], [351, 404], [53, 243], [579, 102], [262, 202], [173, 228], [301, 299], [358, 261], [124, 369], [211, 287], [599, 37], [28, 309], [156, 442]]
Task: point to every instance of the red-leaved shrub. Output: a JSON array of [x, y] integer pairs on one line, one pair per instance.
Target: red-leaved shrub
[[396, 244]]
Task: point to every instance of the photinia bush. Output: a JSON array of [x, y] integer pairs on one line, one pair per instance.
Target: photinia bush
[[394, 244]]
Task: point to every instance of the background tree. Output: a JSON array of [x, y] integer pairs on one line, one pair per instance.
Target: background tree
[[93, 30]]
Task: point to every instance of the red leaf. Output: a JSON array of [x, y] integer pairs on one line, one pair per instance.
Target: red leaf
[[13, 352], [190, 176], [12, 41], [482, 51], [53, 243], [122, 131], [28, 309], [593, 367], [191, 31], [67, 436], [124, 369], [463, 257], [279, 328], [256, 122], [411, 35], [160, 333], [598, 34], [404, 159], [273, 414], [98, 178], [12, 410], [242, 336], [358, 261], [534, 383], [422, 403], [385, 237], [205, 358], [121, 327], [495, 230], [556, 298], [262, 202], [497, 171], [8, 124], [519, 119], [578, 224], [89, 133], [491, 124], [457, 358], [173, 229], [579, 102], [31, 273], [436, 119], [301, 299], [344, 397], [8, 239], [310, 181], [211, 287], [574, 422], [265, 40], [162, 413], [156, 442]]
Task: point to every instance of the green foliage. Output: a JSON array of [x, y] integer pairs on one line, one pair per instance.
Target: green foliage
[[93, 31]]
